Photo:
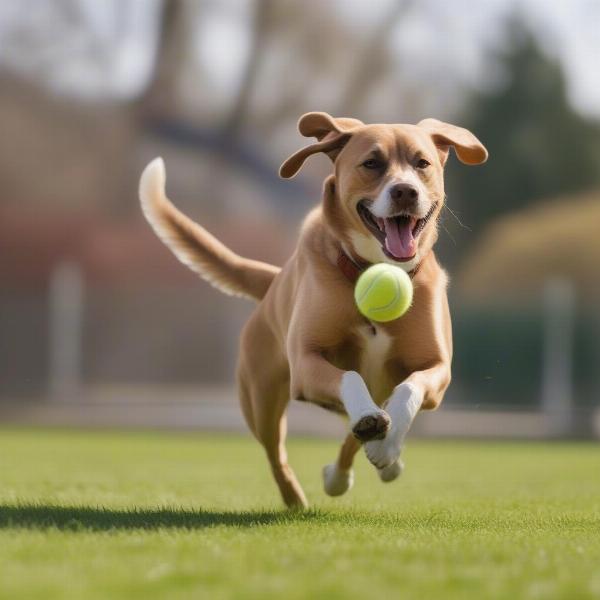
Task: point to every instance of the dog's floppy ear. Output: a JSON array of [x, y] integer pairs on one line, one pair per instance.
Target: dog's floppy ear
[[332, 135], [467, 147]]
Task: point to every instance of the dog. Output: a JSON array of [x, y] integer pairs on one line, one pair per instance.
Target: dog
[[306, 339]]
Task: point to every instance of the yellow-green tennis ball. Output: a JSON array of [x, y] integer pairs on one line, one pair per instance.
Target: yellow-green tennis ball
[[383, 292]]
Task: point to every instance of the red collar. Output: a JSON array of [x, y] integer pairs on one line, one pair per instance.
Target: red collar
[[352, 269]]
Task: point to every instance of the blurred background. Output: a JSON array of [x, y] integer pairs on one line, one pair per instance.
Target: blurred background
[[100, 326]]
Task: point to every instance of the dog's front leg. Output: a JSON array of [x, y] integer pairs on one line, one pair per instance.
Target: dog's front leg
[[314, 379], [422, 390]]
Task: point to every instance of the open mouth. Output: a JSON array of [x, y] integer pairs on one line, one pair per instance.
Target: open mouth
[[398, 234]]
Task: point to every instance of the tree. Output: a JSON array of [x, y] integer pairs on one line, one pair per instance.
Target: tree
[[539, 147]]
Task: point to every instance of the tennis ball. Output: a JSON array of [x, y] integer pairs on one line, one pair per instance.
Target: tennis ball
[[383, 292]]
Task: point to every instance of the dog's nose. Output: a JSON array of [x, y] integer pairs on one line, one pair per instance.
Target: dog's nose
[[404, 195], [404, 191]]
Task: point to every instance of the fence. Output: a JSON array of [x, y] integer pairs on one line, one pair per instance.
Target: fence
[[56, 343]]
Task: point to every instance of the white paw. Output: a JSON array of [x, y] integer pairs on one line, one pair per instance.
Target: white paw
[[402, 407], [383, 453], [335, 481], [391, 472]]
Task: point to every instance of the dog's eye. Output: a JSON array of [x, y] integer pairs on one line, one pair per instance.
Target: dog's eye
[[422, 163], [373, 163]]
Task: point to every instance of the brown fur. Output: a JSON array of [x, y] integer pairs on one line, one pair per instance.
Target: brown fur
[[306, 331]]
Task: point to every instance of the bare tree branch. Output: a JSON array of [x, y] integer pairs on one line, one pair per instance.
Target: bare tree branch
[[260, 26], [371, 63], [160, 97]]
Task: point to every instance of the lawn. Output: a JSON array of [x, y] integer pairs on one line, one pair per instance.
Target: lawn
[[149, 515]]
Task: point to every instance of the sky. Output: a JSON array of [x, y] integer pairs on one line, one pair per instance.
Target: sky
[[112, 56]]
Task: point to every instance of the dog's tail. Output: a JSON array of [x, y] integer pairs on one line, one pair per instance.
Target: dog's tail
[[195, 247]]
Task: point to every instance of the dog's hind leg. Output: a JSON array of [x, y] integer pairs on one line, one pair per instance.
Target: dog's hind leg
[[264, 406], [271, 431], [338, 477], [264, 387]]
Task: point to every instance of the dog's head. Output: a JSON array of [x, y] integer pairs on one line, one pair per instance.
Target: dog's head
[[387, 190]]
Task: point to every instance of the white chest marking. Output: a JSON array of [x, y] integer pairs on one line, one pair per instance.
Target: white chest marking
[[375, 351]]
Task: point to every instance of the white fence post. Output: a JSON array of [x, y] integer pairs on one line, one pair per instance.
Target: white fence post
[[65, 336], [557, 355]]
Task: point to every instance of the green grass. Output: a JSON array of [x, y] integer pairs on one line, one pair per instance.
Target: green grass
[[130, 515]]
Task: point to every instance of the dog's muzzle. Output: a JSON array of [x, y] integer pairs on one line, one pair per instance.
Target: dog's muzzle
[[397, 234]]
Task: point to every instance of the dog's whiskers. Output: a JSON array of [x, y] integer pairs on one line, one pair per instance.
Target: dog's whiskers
[[456, 217], [449, 234]]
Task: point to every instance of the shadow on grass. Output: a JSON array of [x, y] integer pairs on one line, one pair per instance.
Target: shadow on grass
[[89, 519], [86, 518]]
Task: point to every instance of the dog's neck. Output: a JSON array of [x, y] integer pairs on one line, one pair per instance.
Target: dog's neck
[[352, 267], [409, 265]]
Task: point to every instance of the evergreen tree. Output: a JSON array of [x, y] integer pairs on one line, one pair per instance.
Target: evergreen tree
[[539, 146]]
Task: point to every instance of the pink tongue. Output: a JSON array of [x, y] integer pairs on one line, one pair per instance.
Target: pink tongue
[[399, 239]]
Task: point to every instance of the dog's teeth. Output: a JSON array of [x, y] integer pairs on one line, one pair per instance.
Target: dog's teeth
[[380, 224]]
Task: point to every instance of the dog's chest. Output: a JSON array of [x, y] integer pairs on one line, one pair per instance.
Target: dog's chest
[[375, 350]]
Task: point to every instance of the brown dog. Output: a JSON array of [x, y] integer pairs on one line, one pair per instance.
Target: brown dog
[[306, 339]]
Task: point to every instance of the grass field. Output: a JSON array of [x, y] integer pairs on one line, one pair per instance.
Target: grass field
[[131, 515]]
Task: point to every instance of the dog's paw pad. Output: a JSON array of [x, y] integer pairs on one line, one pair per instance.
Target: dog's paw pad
[[335, 481], [391, 472], [372, 427]]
